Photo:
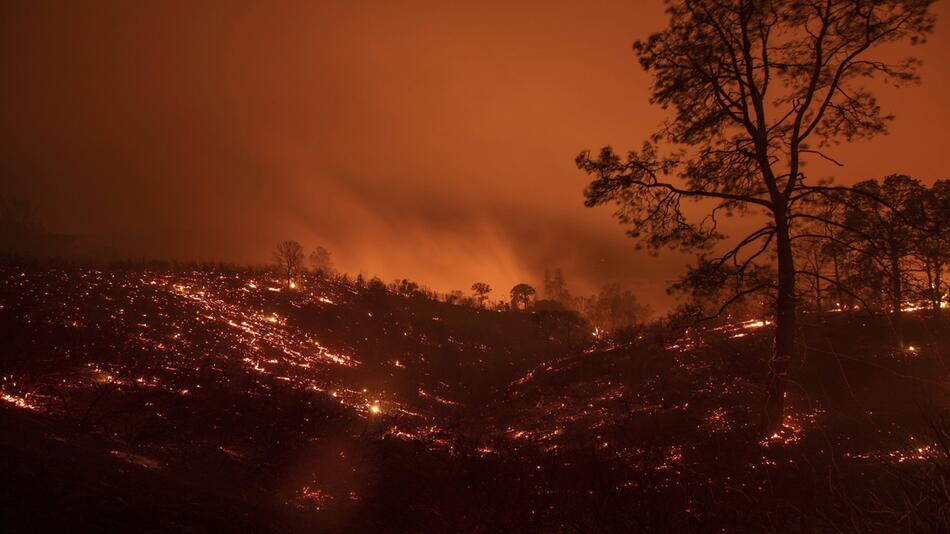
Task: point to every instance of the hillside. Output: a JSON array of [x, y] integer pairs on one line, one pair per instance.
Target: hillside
[[207, 400]]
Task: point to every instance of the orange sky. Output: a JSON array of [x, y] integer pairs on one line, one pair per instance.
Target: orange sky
[[431, 140]]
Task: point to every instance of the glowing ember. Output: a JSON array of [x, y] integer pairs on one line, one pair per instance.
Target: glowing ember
[[19, 402], [313, 497], [910, 454], [182, 338], [137, 459]]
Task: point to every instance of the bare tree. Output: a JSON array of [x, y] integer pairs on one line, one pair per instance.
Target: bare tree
[[757, 88], [289, 259], [321, 260], [481, 290]]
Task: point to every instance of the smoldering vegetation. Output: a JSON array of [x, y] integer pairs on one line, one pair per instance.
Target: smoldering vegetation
[[156, 398]]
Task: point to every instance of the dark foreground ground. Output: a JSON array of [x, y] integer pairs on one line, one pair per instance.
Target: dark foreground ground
[[207, 401]]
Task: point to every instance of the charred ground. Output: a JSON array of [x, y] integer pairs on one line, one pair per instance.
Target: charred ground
[[209, 399]]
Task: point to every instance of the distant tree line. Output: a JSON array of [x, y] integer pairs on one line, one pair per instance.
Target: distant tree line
[[610, 309], [613, 308], [881, 247]]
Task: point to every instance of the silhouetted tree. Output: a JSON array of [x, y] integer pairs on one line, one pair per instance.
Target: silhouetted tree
[[932, 245], [405, 287], [823, 238], [289, 258], [837, 253], [817, 246], [321, 260], [375, 287], [454, 297], [757, 86], [555, 288], [613, 308], [886, 235], [566, 326], [521, 296], [481, 291], [811, 256]]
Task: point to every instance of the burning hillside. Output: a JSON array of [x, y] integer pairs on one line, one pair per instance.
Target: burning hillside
[[324, 403]]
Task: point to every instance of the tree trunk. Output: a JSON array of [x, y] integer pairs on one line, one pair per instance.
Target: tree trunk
[[783, 345], [938, 287], [897, 298], [838, 293], [934, 270], [928, 271]]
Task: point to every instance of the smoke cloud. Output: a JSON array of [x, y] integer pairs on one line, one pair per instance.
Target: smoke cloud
[[427, 140]]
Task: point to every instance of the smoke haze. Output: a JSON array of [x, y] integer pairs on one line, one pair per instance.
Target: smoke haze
[[428, 140]]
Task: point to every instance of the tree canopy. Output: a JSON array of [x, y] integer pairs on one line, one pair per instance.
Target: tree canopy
[[756, 88], [521, 295]]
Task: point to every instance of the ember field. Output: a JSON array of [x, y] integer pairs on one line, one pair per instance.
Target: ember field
[[208, 400]]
